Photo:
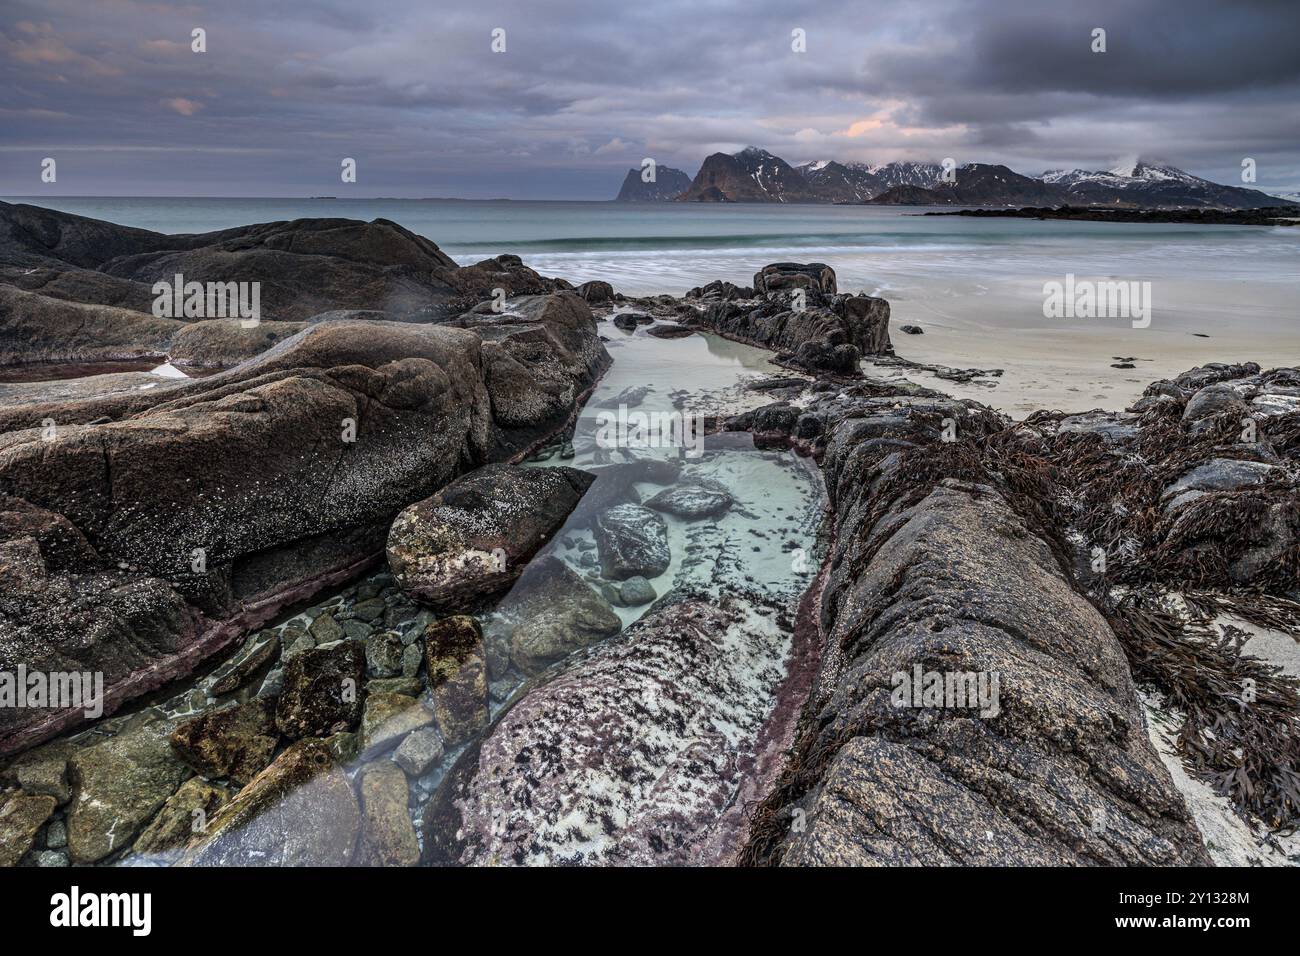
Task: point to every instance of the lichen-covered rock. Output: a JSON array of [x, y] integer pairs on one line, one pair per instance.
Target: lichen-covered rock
[[235, 742], [633, 754], [472, 539], [183, 816], [323, 691], [117, 787], [21, 817], [42, 770], [632, 540], [453, 649], [299, 811], [387, 834]]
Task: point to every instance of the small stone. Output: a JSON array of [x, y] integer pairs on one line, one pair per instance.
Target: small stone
[[389, 718], [235, 742], [636, 591], [49, 858], [21, 817], [357, 630], [412, 658], [322, 691], [258, 651], [326, 630], [419, 753], [370, 609], [457, 677], [186, 813], [56, 835], [384, 655]]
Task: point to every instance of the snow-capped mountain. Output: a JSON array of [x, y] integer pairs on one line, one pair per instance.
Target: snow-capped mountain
[[756, 175]]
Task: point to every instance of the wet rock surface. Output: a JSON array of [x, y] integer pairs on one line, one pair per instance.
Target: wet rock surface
[[472, 539], [631, 755], [632, 540], [348, 422]]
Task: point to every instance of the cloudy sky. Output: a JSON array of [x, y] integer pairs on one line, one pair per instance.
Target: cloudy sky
[[413, 91]]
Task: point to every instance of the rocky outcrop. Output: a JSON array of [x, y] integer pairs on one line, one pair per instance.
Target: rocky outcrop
[[669, 183], [810, 329], [974, 708], [472, 539], [77, 289], [142, 531]]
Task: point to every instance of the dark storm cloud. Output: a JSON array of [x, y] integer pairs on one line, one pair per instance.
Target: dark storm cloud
[[586, 89]]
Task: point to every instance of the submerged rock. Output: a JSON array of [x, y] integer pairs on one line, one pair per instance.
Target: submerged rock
[[454, 656], [323, 691], [389, 718], [183, 816], [21, 817], [692, 500], [419, 753], [117, 787], [235, 742], [387, 834], [636, 591], [550, 614], [472, 539], [632, 540], [299, 811]]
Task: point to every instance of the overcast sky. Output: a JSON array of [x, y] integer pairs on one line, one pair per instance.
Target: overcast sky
[[584, 90]]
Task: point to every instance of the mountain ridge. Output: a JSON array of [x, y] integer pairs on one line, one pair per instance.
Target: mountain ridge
[[757, 175]]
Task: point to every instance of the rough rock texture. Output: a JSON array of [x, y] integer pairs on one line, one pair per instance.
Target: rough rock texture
[[473, 538], [941, 574], [150, 528], [323, 691], [550, 613], [299, 811], [117, 787], [692, 500], [21, 816], [187, 813], [235, 742], [830, 333], [816, 276], [632, 540], [387, 719], [633, 754], [457, 668]]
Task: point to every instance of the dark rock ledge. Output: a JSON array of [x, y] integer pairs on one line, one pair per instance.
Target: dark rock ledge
[[150, 528]]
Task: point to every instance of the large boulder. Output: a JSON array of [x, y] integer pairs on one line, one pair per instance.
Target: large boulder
[[214, 503], [472, 539], [779, 276], [637, 753]]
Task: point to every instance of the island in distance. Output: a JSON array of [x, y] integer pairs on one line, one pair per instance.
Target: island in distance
[[755, 175]]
